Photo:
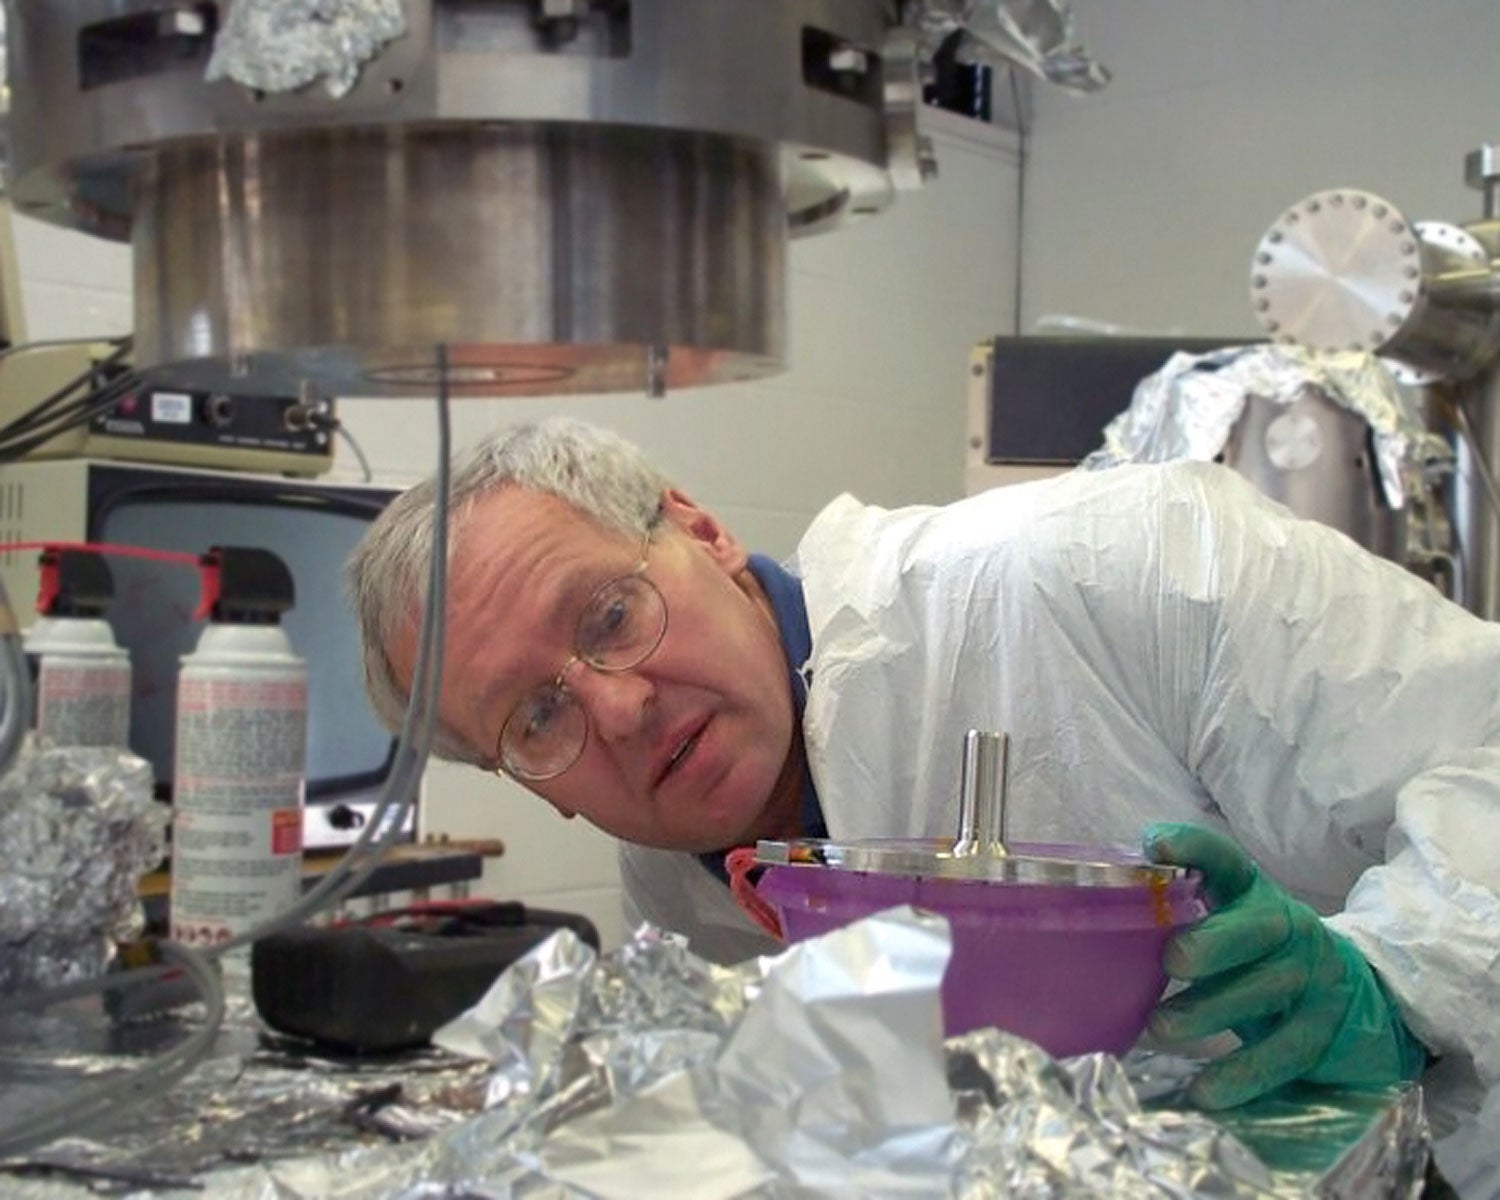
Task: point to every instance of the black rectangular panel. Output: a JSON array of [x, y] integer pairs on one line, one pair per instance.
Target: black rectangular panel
[[1051, 397]]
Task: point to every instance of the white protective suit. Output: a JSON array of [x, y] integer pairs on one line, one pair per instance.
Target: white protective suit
[[1165, 643]]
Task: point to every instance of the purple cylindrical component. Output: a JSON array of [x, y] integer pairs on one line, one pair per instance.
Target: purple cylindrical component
[[1073, 968]]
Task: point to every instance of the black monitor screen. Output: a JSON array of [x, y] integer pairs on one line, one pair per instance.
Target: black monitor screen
[[1051, 397]]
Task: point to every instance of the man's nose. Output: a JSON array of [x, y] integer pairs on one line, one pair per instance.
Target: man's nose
[[616, 701]]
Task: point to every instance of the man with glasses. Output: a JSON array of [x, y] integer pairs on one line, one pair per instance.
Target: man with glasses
[[1162, 644]]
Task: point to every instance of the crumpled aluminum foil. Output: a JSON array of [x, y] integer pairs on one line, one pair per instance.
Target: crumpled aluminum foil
[[649, 1072], [79, 828], [1189, 407], [1037, 35], [282, 45]]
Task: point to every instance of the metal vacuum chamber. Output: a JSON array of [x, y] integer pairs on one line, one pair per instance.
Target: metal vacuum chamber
[[1345, 269], [574, 195]]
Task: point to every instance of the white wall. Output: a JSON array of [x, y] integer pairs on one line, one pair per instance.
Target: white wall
[[881, 320], [1145, 202]]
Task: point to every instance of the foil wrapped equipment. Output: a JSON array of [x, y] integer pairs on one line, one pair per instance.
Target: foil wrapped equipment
[[283, 45], [1037, 35], [1189, 407], [821, 1071], [79, 828]]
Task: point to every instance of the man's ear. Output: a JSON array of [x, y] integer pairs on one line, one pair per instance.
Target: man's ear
[[703, 528]]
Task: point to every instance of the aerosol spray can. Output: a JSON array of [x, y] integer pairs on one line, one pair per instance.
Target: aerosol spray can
[[82, 674], [241, 754]]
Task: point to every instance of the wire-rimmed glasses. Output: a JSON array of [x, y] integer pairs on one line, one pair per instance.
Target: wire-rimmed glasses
[[620, 627]]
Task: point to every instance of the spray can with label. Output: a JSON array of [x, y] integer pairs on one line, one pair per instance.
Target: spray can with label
[[238, 783], [82, 674]]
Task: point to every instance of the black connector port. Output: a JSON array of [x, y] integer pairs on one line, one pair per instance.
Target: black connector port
[[299, 418], [218, 410]]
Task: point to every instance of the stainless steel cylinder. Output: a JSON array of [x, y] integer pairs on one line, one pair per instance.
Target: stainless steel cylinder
[[563, 258], [1471, 497], [1316, 457], [596, 201], [1482, 171]]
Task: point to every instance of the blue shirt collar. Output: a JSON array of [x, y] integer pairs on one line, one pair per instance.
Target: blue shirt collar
[[788, 606]]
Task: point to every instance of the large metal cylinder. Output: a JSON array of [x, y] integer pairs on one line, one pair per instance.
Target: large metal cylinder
[[1472, 498], [1317, 458], [581, 196], [565, 258]]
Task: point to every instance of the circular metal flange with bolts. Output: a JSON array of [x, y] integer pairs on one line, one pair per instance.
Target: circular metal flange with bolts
[[1341, 270], [1344, 270]]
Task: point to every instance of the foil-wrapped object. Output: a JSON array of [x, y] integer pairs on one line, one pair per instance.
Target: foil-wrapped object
[[283, 45], [79, 828], [1189, 407], [819, 1072], [1076, 1128], [1037, 35]]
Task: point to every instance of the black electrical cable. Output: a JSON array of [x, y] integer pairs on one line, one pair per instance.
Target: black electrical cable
[[17, 444], [32, 416], [65, 414]]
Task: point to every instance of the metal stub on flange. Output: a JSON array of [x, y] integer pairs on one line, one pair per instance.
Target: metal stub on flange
[[1339, 271]]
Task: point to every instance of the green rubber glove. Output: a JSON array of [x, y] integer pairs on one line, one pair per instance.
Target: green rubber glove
[[1301, 998]]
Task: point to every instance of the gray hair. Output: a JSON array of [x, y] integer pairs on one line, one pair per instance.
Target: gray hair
[[598, 472]]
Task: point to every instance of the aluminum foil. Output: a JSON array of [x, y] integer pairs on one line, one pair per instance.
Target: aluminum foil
[[1076, 1128], [283, 45], [1037, 35], [79, 828], [1188, 408], [258, 1098], [648, 1072]]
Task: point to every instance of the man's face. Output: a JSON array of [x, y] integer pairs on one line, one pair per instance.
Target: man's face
[[690, 750]]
